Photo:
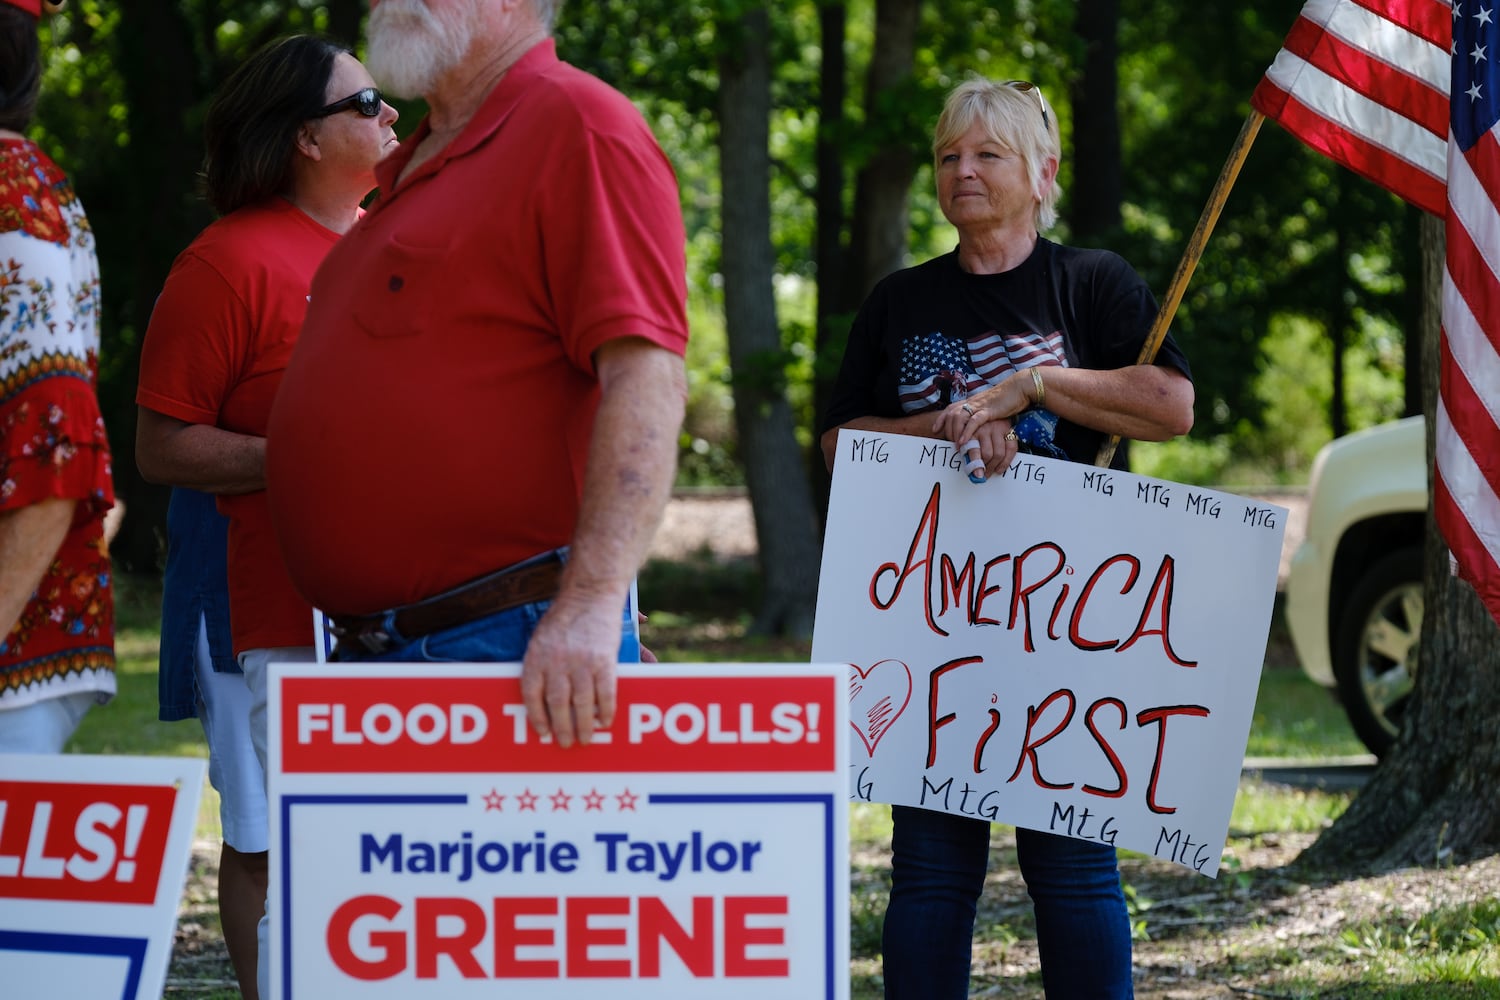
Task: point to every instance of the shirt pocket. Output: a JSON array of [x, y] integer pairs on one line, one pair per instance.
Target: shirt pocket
[[401, 290]]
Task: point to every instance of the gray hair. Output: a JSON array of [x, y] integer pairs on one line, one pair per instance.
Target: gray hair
[[1015, 115]]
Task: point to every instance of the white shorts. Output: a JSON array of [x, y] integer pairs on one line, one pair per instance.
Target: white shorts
[[233, 767], [256, 663], [44, 726]]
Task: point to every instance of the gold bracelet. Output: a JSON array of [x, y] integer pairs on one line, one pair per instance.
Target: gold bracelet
[[1036, 380]]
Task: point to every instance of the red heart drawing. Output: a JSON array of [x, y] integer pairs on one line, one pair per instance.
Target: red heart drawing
[[877, 697]]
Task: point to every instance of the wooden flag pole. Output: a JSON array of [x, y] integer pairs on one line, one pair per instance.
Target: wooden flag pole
[[1189, 262]]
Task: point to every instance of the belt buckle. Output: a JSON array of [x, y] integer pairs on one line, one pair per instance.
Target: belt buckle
[[375, 642]]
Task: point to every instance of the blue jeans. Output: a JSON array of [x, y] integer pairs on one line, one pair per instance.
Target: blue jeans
[[938, 864]]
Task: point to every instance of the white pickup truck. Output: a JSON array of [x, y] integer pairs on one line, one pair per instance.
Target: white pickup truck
[[1354, 586]]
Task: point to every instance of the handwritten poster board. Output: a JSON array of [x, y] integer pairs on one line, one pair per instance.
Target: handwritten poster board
[[1062, 648], [93, 853], [425, 843]]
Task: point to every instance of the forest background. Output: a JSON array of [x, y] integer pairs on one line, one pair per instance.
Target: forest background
[[800, 133]]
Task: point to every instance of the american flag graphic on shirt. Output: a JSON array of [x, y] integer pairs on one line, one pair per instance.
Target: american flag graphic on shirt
[[938, 370]]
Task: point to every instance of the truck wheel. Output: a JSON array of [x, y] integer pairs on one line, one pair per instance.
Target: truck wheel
[[1376, 645]]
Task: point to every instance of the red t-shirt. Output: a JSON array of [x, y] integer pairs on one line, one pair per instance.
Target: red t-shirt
[[220, 337], [448, 356]]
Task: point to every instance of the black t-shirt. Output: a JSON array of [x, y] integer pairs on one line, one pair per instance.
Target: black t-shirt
[[932, 334]]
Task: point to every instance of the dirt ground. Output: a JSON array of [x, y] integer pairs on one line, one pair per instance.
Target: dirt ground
[[1209, 939]]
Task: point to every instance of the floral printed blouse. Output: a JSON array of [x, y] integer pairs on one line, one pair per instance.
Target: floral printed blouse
[[52, 440]]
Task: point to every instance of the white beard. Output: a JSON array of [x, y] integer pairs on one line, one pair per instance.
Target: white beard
[[411, 47]]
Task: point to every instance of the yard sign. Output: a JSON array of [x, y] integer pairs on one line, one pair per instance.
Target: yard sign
[[93, 852], [425, 843], [1063, 648]]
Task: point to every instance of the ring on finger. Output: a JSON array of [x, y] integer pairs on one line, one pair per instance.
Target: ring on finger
[[1010, 435], [968, 409]]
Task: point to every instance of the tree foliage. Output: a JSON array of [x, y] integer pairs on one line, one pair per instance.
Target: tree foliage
[[127, 85]]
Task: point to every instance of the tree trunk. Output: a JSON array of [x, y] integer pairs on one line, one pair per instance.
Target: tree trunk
[[1094, 201], [832, 322], [1413, 301], [1432, 798], [162, 215], [785, 523], [881, 227], [344, 18], [1338, 323]]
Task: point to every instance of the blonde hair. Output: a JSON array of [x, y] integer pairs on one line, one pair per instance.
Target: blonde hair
[[1018, 118]]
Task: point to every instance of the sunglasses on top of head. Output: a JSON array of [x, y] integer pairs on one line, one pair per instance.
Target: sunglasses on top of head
[[1026, 86], [366, 102]]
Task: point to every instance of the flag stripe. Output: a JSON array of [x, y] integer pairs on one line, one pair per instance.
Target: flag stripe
[[1467, 512], [1374, 121], [1473, 289], [1470, 420], [1429, 20], [1372, 43], [1481, 176], [1421, 186], [1366, 83], [1482, 573]]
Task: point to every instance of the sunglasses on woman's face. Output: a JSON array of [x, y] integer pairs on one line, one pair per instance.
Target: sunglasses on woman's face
[[366, 102]]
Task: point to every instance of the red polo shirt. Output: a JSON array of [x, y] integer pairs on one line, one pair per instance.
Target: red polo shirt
[[435, 419], [219, 340]]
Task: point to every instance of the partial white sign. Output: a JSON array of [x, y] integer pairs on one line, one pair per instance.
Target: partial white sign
[[425, 843], [1063, 648], [93, 853]]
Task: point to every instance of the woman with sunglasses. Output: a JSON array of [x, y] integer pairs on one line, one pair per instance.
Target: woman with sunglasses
[[292, 140], [1009, 343]]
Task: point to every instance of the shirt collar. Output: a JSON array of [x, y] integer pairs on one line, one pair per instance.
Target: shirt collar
[[497, 106]]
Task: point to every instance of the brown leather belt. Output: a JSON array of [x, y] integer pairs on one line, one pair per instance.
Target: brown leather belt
[[487, 595]]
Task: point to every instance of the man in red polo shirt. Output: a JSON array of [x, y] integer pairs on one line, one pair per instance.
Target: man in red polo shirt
[[477, 433]]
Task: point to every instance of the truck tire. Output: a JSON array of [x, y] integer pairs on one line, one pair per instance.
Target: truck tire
[[1376, 646]]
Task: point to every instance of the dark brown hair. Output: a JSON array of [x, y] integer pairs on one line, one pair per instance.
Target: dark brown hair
[[20, 68], [250, 134]]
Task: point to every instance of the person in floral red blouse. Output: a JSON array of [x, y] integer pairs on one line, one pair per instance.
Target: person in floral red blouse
[[56, 609]]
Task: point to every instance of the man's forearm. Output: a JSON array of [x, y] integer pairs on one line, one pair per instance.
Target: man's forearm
[[29, 539], [631, 465], [198, 456]]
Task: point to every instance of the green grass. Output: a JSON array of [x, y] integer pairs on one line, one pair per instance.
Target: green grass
[[128, 724], [1452, 951], [1296, 718]]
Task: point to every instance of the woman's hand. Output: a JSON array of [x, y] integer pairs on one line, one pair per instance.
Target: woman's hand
[[981, 427]]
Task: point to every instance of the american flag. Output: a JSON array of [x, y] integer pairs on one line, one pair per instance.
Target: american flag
[[996, 356], [1467, 482], [935, 370], [1367, 82]]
